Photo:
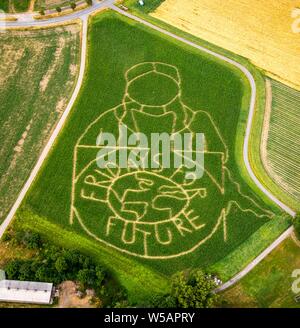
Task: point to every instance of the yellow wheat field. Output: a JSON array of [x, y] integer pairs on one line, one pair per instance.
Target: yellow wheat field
[[261, 30]]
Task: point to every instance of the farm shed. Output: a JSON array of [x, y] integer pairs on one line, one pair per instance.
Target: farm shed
[[25, 292]]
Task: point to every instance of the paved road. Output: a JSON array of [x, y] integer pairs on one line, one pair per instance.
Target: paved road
[[83, 15], [27, 20]]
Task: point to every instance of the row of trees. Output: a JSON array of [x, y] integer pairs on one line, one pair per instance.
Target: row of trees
[[72, 5], [51, 263]]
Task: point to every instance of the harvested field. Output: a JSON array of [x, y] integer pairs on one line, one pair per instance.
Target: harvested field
[[258, 30], [281, 146], [38, 69]]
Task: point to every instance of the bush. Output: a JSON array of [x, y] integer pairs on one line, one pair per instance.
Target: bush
[[163, 301], [29, 239], [42, 11], [194, 290], [61, 264], [297, 225], [25, 271], [12, 269], [58, 9], [7, 236]]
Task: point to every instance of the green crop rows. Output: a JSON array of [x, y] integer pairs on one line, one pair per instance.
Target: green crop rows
[[283, 147]]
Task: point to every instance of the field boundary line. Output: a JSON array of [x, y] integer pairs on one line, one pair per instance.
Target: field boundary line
[[58, 128]]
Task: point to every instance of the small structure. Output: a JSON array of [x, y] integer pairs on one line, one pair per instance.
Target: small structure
[[25, 291]]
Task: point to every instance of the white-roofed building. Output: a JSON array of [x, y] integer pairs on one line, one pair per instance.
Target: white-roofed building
[[25, 291]]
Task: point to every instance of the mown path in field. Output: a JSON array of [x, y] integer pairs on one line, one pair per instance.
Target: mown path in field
[[83, 15]]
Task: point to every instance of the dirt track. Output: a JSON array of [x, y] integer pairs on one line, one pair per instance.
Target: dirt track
[[69, 299]]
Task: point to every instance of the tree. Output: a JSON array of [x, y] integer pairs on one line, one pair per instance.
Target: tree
[[100, 275], [86, 277], [41, 274], [86, 262], [89, 2], [194, 290], [7, 236], [163, 301], [32, 240], [73, 5], [25, 271], [61, 264], [51, 252], [12, 269], [297, 225], [58, 9]]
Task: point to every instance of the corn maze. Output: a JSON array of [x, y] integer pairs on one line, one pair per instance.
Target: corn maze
[[146, 212]]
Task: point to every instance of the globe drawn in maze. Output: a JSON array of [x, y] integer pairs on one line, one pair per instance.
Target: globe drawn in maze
[[152, 213]]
